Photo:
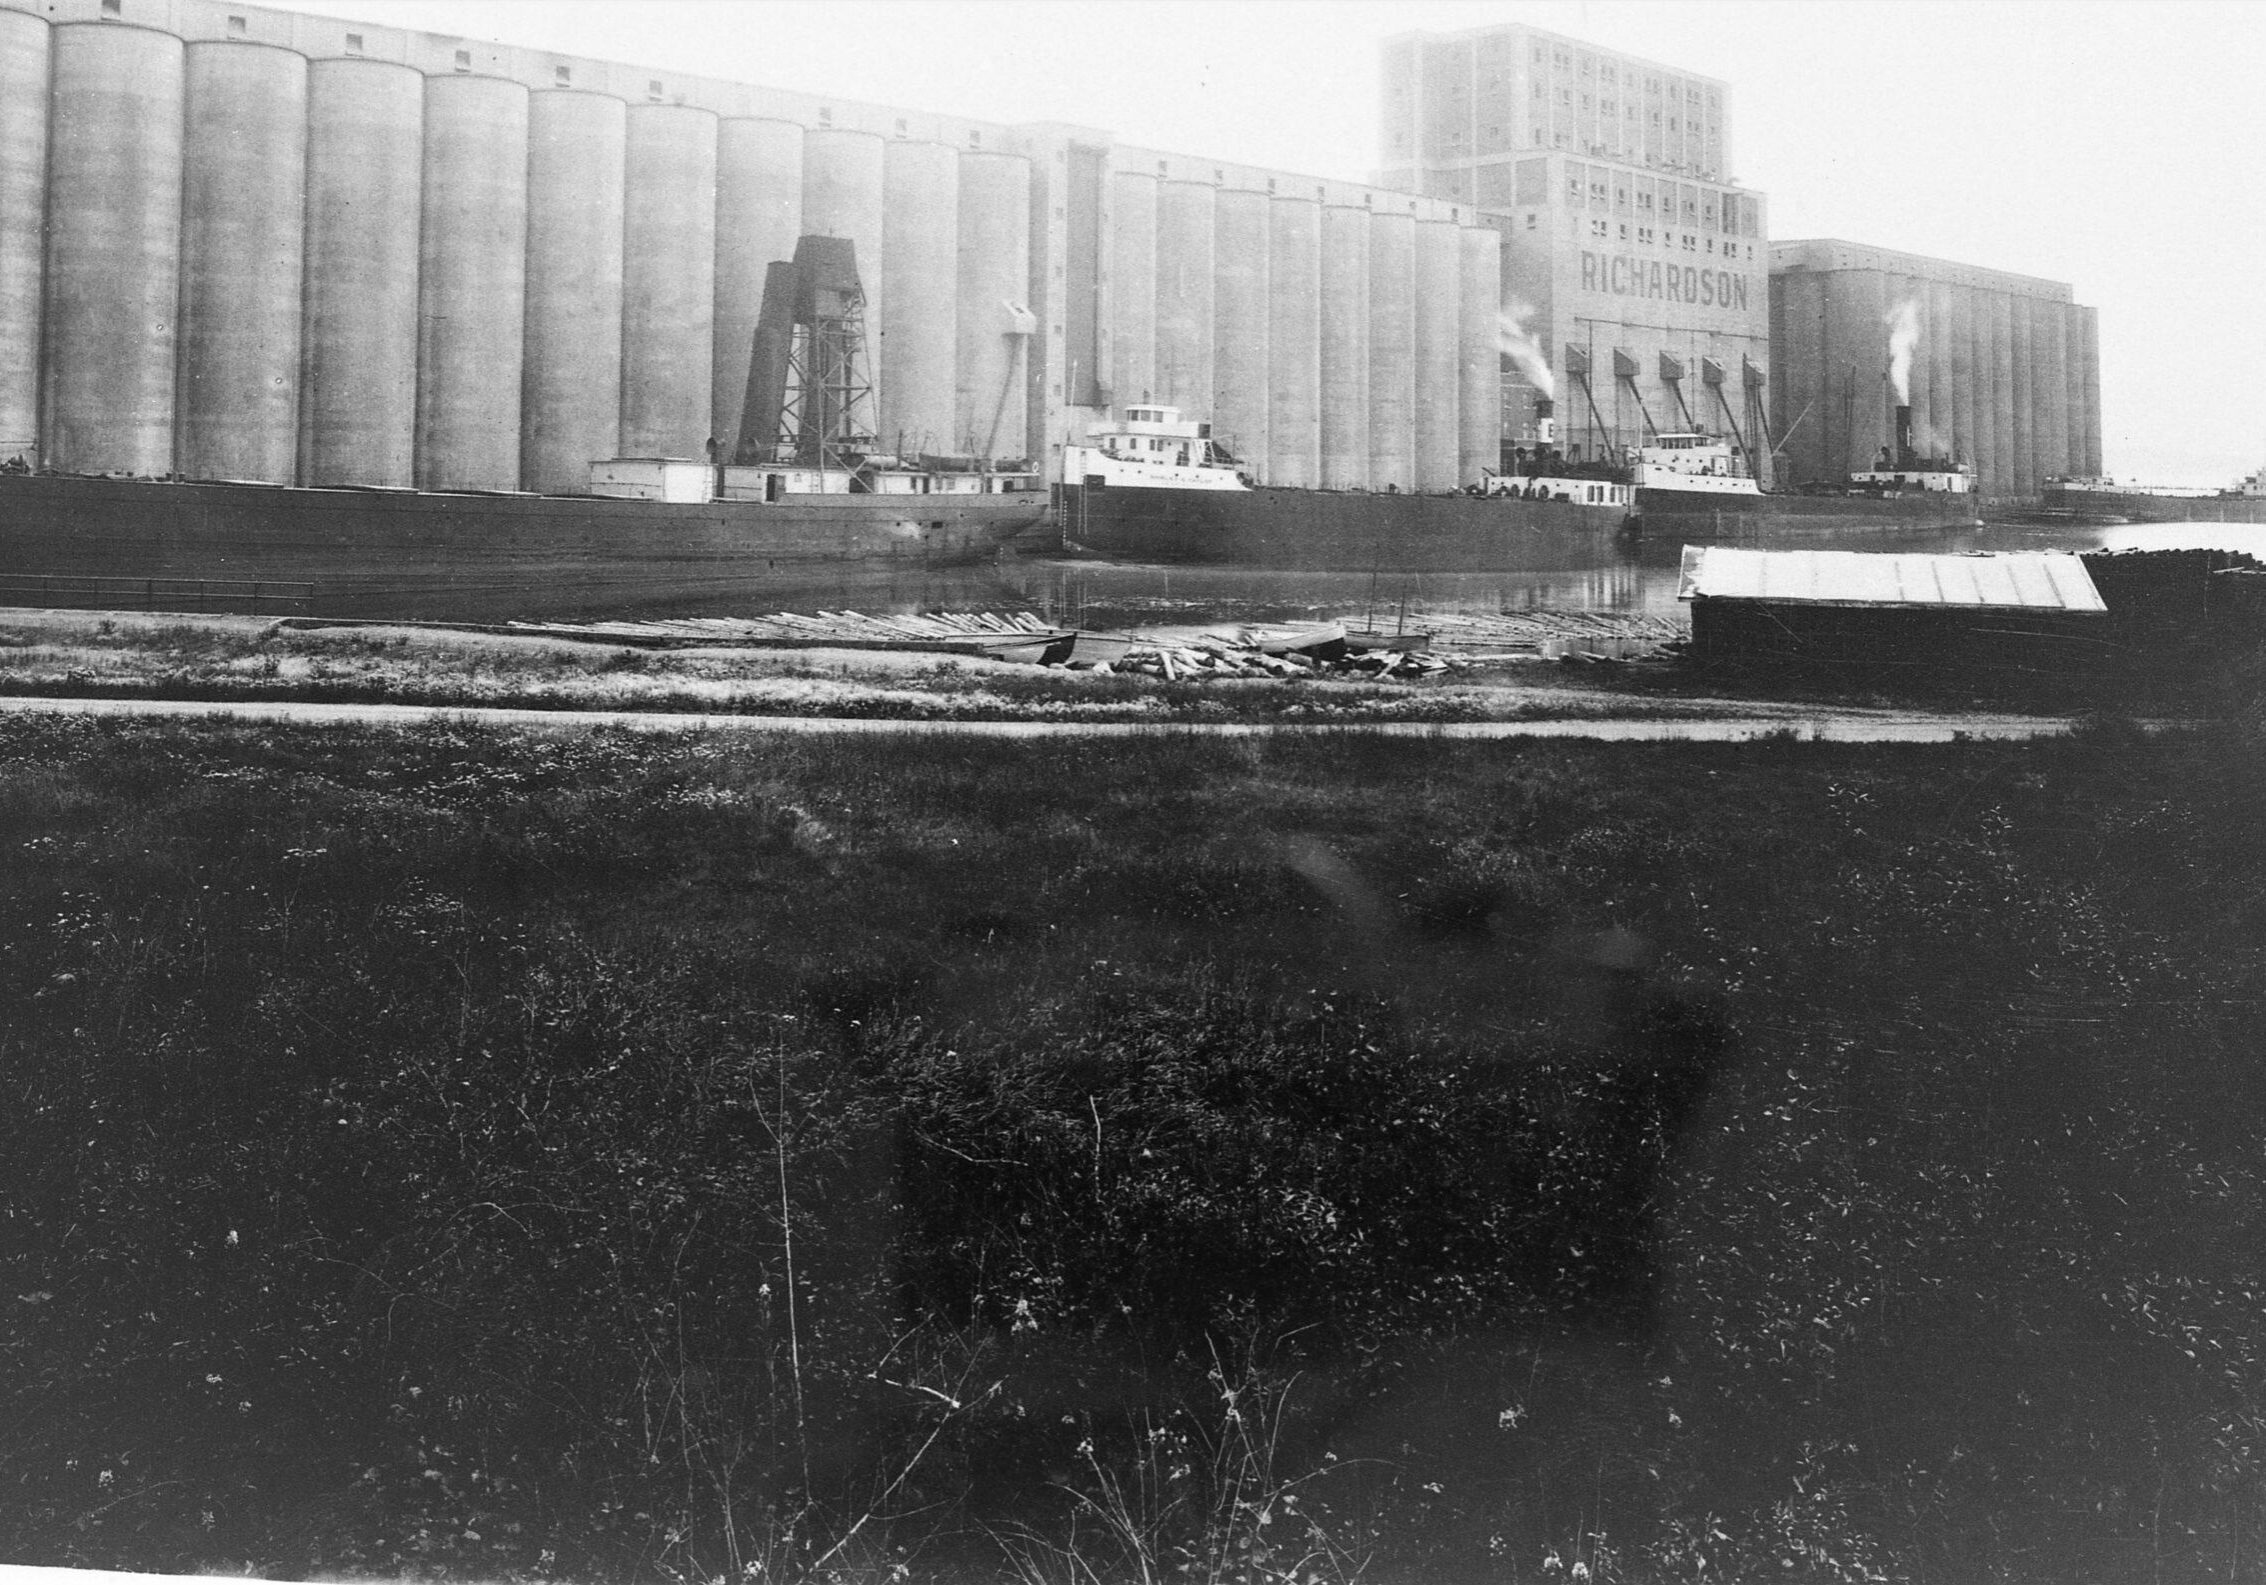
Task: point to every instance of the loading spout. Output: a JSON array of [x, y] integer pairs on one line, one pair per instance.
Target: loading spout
[[1672, 376], [1625, 373], [1577, 370]]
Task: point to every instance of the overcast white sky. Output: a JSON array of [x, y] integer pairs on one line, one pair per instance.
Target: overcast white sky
[[2120, 147]]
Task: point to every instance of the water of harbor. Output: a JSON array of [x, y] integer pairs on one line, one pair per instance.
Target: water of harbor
[[1576, 572]]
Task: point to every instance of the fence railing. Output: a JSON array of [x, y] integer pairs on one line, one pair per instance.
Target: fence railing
[[239, 596]]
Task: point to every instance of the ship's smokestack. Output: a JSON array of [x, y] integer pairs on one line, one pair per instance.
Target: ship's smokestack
[[1545, 421], [1905, 456]]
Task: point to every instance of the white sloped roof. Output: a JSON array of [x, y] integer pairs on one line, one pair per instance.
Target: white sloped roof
[[2010, 580]]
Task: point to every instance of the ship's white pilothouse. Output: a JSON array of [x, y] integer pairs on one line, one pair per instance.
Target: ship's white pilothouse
[[1693, 463], [1153, 448]]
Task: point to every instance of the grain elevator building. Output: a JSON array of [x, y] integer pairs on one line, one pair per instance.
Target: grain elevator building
[[1635, 270], [2001, 372], [245, 243]]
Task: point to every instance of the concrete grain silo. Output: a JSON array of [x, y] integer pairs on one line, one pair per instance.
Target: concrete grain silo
[[1345, 347], [842, 197], [1978, 387], [1799, 375], [1392, 350], [990, 416], [570, 390], [243, 235], [1855, 397], [2002, 477], [358, 342], [2090, 338], [1294, 342], [1479, 367], [1238, 404], [1439, 332], [2073, 395], [2049, 380], [1959, 361], [1185, 281], [113, 249], [668, 281], [1132, 266], [472, 284], [759, 214], [24, 48], [1935, 348], [920, 244], [2020, 326]]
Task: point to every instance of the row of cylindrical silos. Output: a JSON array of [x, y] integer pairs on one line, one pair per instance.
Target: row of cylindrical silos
[[226, 260], [2001, 377], [1330, 345]]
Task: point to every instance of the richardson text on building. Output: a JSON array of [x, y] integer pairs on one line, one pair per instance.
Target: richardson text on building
[[1623, 276]]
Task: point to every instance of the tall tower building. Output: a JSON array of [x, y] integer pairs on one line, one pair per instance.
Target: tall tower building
[[1459, 108], [1634, 270]]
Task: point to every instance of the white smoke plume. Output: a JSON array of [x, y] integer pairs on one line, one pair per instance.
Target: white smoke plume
[[1903, 323], [1519, 345]]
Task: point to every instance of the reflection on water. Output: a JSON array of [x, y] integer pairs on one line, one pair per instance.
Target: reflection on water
[[1567, 573], [1098, 594]]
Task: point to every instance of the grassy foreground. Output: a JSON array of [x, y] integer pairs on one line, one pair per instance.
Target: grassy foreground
[[613, 1158]]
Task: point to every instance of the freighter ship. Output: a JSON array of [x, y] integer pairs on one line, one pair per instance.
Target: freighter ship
[[2105, 500], [1156, 487], [805, 498], [1696, 486]]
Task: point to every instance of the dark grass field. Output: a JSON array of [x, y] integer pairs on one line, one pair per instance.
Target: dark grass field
[[613, 1158]]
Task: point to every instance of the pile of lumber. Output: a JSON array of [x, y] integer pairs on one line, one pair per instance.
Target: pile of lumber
[[1218, 658], [1185, 663]]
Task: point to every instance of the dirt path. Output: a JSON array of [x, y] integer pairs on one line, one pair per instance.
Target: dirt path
[[1804, 722]]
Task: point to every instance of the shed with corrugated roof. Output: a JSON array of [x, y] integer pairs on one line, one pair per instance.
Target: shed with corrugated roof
[[1987, 613]]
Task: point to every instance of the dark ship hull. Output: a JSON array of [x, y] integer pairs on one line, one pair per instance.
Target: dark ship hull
[[1693, 514], [2137, 507], [1326, 530], [437, 557]]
